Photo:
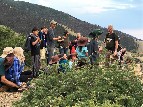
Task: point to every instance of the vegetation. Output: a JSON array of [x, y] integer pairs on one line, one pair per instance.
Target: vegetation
[[9, 38], [86, 87]]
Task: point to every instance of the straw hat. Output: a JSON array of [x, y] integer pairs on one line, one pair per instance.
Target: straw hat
[[7, 51], [55, 59]]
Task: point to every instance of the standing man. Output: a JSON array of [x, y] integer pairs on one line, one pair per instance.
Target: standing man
[[112, 43], [35, 51], [50, 40]]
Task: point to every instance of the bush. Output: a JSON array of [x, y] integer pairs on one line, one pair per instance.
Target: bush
[[87, 87]]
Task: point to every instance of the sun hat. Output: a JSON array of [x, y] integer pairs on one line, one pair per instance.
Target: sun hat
[[7, 51], [56, 58], [82, 41]]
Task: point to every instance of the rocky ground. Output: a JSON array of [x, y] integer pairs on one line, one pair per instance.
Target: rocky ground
[[6, 99]]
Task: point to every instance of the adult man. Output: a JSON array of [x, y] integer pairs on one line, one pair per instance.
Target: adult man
[[50, 40], [112, 44], [4, 83], [35, 51]]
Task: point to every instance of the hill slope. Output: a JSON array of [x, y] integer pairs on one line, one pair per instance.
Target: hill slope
[[22, 16]]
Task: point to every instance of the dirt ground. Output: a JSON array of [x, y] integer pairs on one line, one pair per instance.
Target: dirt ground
[[6, 99]]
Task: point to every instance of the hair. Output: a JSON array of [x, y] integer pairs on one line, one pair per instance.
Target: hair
[[44, 27], [18, 52], [35, 29]]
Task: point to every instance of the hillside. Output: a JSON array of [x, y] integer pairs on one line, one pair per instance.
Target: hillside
[[22, 16]]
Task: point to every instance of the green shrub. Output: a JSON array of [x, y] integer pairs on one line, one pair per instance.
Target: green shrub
[[9, 38], [96, 87]]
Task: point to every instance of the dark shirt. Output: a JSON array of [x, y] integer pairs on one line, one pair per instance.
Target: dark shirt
[[50, 36], [110, 41], [2, 71], [42, 39], [64, 43], [92, 47], [35, 50]]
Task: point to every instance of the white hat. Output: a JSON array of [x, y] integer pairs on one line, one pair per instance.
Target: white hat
[[7, 51]]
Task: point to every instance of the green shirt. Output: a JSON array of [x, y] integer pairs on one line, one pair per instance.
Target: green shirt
[[1, 67]]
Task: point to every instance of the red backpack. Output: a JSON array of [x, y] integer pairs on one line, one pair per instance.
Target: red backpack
[[73, 49]]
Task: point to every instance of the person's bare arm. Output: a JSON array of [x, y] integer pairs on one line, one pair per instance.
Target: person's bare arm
[[116, 47], [37, 40], [7, 82], [57, 38]]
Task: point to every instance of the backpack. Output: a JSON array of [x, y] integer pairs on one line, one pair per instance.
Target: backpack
[[8, 61], [27, 45], [73, 50]]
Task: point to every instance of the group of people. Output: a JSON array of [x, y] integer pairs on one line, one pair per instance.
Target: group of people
[[71, 53]]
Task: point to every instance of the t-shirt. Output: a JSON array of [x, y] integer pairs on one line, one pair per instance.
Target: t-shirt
[[50, 36], [92, 47], [82, 53], [64, 43], [2, 71], [110, 41], [35, 50], [42, 38]]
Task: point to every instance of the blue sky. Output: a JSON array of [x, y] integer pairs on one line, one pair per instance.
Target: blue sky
[[124, 15]]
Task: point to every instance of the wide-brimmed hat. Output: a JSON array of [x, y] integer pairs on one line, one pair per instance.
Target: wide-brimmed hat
[[82, 41], [7, 51], [96, 33], [53, 22], [55, 59]]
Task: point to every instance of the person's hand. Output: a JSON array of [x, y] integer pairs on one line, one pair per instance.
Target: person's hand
[[100, 49], [59, 37], [38, 38], [115, 53]]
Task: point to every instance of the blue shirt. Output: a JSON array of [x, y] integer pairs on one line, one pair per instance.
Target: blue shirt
[[82, 53], [13, 73]]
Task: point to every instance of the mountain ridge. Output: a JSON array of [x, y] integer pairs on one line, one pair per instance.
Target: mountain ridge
[[22, 16]]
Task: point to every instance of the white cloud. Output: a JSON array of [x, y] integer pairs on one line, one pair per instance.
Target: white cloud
[[83, 6]]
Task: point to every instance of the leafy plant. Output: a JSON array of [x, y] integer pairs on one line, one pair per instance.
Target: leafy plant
[[85, 87]]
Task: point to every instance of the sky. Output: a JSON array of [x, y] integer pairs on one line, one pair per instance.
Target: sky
[[124, 15]]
